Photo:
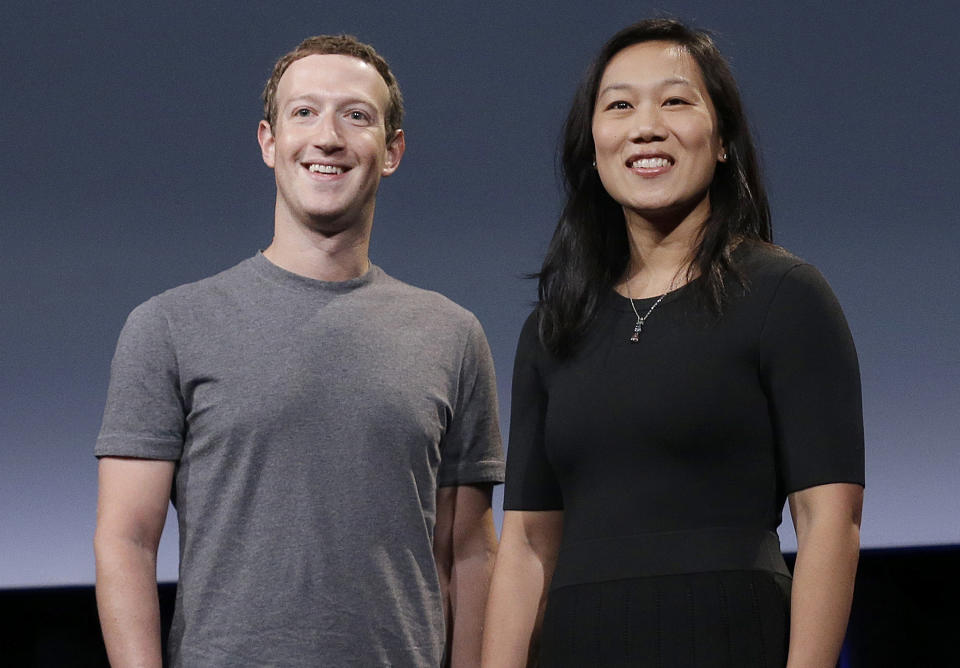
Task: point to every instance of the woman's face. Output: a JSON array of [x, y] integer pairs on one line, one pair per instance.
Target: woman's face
[[655, 132]]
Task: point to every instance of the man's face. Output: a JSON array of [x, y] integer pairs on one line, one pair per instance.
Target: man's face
[[328, 147]]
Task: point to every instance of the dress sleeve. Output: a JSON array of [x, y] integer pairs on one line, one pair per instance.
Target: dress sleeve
[[531, 483], [472, 449], [810, 372], [144, 414]]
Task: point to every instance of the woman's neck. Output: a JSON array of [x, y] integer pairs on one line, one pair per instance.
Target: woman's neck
[[661, 250]]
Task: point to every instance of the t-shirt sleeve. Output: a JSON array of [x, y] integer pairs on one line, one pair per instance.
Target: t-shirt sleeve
[[810, 371], [472, 448], [144, 414], [531, 483]]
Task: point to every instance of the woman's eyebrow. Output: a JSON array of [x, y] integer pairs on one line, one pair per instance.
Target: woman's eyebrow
[[671, 81]]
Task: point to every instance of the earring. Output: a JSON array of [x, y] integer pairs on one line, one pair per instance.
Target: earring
[[594, 164], [724, 156]]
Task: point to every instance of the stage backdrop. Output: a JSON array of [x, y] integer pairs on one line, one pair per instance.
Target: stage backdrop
[[130, 165]]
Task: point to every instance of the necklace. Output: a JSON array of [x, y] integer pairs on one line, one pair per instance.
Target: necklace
[[637, 328]]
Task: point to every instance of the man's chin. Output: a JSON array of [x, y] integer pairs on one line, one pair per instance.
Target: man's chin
[[333, 222]]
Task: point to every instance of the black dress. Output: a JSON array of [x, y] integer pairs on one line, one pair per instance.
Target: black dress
[[672, 458]]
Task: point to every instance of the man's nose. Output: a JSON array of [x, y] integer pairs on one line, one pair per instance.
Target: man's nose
[[327, 135]]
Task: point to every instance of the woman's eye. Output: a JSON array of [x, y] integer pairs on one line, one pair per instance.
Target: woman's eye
[[619, 104], [673, 101]]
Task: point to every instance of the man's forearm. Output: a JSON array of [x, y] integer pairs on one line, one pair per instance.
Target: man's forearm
[[469, 586], [128, 604]]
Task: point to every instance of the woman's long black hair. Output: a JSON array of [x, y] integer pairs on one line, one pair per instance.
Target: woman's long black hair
[[590, 250]]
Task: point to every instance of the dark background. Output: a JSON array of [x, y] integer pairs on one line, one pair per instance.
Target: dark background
[[130, 165]]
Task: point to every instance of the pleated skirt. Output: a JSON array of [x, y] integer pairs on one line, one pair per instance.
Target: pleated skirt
[[724, 619]]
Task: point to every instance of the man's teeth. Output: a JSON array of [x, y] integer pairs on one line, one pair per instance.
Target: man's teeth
[[325, 169], [649, 163]]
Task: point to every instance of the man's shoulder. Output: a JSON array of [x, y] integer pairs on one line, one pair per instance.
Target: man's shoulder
[[415, 300], [225, 279], [189, 295]]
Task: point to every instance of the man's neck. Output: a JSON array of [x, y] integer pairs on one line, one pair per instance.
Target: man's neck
[[335, 257]]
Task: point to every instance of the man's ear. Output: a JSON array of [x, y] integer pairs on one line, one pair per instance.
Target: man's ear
[[395, 148], [267, 143]]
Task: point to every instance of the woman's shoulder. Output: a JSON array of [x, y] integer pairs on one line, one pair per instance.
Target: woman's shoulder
[[785, 286], [760, 260], [530, 344], [531, 349], [772, 273]]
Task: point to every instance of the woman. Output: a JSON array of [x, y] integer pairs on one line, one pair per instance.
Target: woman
[[679, 378]]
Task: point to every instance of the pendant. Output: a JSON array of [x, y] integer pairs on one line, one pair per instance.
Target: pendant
[[635, 337]]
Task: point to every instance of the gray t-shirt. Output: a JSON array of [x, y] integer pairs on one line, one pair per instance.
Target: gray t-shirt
[[311, 423]]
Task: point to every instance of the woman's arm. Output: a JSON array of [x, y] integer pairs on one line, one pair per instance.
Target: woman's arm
[[521, 578], [827, 521]]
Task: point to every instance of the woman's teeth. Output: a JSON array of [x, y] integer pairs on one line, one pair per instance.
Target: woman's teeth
[[649, 163]]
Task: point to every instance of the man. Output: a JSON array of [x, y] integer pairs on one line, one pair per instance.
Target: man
[[327, 434]]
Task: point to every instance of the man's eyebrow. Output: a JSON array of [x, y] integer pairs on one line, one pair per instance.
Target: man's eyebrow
[[345, 99], [671, 81]]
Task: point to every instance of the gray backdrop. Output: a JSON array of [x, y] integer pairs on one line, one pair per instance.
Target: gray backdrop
[[130, 165]]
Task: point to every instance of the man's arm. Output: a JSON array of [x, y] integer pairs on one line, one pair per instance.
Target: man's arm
[[827, 520], [131, 509], [465, 545]]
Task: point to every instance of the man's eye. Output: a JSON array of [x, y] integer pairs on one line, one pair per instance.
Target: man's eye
[[302, 112], [358, 116]]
